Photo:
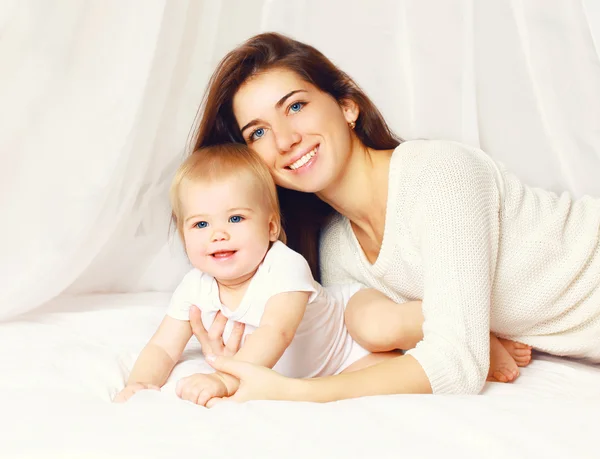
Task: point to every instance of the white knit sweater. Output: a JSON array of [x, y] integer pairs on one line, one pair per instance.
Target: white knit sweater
[[483, 252]]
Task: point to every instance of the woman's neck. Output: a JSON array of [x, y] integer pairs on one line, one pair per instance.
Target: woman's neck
[[360, 193]]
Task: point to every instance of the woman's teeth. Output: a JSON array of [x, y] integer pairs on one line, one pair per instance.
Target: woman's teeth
[[302, 161]]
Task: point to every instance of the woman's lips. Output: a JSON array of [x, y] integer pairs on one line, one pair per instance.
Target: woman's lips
[[304, 161]]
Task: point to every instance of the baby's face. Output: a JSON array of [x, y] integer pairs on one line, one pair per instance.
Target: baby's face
[[226, 228]]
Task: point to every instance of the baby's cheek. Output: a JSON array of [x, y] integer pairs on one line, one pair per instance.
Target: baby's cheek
[[195, 253]]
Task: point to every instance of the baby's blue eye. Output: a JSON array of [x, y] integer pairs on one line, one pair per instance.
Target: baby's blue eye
[[201, 224], [257, 134], [235, 219], [296, 107]]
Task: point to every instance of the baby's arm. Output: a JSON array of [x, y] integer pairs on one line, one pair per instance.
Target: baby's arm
[[159, 356], [265, 346], [282, 316]]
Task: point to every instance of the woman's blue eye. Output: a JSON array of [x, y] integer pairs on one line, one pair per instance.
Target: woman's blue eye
[[201, 225], [235, 219], [257, 134], [296, 107]]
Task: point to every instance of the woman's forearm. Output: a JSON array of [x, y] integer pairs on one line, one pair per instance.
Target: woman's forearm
[[153, 366], [263, 347], [400, 375]]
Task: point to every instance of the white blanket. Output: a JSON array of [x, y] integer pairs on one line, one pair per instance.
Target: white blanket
[[62, 364]]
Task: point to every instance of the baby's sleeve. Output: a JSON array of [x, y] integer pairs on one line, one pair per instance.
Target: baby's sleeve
[[288, 271], [185, 295]]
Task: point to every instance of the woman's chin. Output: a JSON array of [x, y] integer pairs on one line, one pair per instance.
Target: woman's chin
[[309, 184]]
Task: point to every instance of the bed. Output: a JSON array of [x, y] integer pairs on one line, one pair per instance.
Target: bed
[[94, 124], [62, 364]]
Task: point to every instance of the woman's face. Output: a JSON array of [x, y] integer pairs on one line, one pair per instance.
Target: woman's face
[[301, 132]]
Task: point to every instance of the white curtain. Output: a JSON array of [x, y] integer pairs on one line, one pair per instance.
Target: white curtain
[[98, 98]]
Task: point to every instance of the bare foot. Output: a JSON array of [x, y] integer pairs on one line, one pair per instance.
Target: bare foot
[[521, 353], [503, 367]]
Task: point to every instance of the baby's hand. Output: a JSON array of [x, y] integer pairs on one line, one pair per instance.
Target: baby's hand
[[131, 389], [200, 388]]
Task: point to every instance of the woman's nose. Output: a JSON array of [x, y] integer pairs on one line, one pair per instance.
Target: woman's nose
[[286, 137]]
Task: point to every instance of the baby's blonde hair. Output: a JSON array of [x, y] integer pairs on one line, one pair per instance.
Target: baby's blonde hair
[[219, 162]]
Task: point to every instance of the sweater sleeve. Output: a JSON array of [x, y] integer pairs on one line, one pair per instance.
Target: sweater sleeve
[[456, 220], [334, 256]]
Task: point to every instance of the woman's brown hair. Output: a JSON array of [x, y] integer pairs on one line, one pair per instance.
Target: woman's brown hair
[[303, 213]]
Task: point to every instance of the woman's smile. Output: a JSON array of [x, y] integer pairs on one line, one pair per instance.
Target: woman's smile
[[304, 160]]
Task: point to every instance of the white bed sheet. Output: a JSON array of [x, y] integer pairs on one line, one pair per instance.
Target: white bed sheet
[[62, 364]]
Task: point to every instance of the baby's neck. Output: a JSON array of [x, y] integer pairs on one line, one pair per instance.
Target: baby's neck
[[231, 293]]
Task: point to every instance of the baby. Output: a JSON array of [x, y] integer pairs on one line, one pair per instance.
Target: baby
[[226, 210]]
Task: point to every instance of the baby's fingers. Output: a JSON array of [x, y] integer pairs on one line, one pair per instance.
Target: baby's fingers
[[203, 397], [216, 400], [181, 384], [188, 390], [122, 396]]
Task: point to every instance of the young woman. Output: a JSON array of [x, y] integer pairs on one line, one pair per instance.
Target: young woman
[[427, 220]]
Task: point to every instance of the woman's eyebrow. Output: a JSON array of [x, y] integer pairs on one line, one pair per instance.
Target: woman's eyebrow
[[278, 105], [287, 96], [250, 124]]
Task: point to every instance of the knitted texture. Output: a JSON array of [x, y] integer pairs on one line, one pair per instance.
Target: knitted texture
[[482, 251]]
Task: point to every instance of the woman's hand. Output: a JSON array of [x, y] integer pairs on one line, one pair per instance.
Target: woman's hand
[[212, 341], [256, 382]]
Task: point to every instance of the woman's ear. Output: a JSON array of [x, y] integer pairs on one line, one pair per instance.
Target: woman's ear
[[350, 110]]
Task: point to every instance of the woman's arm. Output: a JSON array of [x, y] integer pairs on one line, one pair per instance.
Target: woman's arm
[[163, 351], [402, 374], [455, 222]]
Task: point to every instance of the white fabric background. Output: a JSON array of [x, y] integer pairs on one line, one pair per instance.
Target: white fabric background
[[97, 99]]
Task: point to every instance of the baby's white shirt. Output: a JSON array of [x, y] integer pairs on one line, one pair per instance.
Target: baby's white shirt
[[321, 345]]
